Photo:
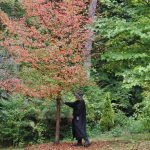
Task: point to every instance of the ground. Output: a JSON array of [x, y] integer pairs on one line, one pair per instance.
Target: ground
[[98, 145], [99, 142]]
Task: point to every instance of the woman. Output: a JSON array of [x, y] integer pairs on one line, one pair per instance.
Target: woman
[[79, 119]]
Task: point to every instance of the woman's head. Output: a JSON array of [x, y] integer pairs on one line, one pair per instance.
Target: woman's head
[[78, 95]]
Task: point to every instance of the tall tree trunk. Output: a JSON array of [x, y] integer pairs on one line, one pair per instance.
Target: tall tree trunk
[[57, 131], [88, 45]]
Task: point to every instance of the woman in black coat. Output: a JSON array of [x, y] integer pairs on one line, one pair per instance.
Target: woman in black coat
[[79, 119]]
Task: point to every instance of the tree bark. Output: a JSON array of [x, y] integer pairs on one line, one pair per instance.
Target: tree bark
[[57, 131], [88, 44]]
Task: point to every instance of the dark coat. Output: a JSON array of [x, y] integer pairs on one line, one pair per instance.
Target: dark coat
[[79, 119]]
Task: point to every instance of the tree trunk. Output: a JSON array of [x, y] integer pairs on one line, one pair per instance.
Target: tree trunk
[[88, 45], [57, 131]]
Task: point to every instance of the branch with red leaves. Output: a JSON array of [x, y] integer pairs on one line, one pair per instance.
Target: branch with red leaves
[[51, 49]]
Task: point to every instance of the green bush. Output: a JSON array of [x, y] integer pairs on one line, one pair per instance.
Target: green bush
[[19, 121], [145, 114], [146, 123], [94, 98], [27, 121], [117, 131], [135, 126], [120, 118], [107, 118]]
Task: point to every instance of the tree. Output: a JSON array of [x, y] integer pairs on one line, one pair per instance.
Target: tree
[[47, 43], [89, 41], [107, 118], [123, 63]]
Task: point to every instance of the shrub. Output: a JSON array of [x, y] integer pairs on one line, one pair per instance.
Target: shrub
[[134, 126], [120, 118], [107, 118], [117, 131], [145, 115], [19, 121], [27, 121], [94, 98]]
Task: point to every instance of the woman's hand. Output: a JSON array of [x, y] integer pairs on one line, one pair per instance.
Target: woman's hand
[[62, 102]]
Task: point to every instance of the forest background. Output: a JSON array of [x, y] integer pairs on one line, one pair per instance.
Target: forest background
[[118, 98]]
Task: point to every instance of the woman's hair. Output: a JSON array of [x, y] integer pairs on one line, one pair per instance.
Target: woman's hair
[[79, 93]]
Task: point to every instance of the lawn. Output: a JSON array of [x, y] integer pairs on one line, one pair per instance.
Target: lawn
[[101, 142]]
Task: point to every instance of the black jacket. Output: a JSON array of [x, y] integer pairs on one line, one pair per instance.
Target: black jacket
[[79, 118]]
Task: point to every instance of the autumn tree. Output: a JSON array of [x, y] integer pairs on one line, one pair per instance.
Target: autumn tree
[[47, 43]]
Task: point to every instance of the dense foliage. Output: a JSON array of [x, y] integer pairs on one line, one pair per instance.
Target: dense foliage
[[26, 120], [47, 43], [118, 100], [122, 68]]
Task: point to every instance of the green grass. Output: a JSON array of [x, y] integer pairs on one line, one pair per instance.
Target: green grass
[[126, 136]]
